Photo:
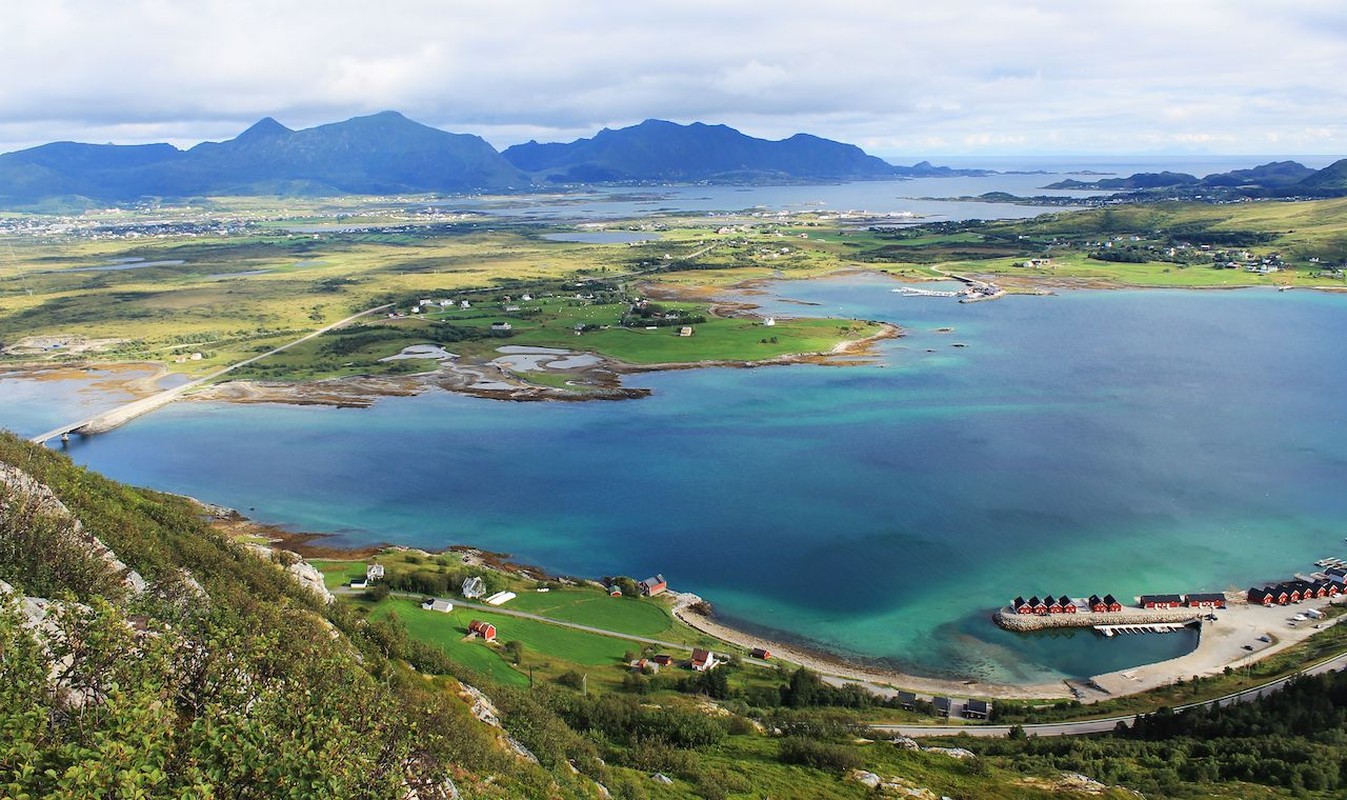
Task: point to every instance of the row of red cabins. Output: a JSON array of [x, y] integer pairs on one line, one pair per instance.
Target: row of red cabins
[[1294, 592], [1063, 605], [1097, 604]]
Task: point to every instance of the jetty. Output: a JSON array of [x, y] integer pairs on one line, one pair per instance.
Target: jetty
[[908, 291], [1136, 619]]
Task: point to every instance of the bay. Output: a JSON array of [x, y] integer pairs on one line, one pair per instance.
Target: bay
[[1094, 441]]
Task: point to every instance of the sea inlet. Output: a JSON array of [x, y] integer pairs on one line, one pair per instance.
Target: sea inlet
[[1087, 442]]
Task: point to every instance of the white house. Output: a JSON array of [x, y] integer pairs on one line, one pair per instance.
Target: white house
[[436, 604], [473, 587], [374, 572], [769, 322], [703, 660]]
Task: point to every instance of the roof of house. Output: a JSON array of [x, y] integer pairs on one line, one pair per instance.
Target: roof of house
[[1094, 600], [1110, 599], [1064, 600], [1206, 597], [1161, 598]]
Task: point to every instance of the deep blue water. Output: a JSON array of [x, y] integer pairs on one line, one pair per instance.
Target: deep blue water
[[1106, 441]]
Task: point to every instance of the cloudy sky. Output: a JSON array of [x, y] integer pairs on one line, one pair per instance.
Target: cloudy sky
[[899, 78]]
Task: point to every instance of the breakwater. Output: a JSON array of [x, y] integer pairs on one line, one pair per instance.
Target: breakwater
[[1140, 616]]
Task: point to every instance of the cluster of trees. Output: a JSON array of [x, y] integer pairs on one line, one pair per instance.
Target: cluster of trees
[[1295, 739], [438, 579], [655, 314]]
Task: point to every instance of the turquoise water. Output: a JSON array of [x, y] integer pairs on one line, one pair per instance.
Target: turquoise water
[[1119, 441]]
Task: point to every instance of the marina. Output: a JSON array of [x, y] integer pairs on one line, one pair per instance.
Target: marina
[[1155, 627]]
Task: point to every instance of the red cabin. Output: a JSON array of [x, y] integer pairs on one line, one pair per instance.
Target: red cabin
[[484, 629]]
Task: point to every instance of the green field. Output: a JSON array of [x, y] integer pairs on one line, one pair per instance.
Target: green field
[[592, 607]]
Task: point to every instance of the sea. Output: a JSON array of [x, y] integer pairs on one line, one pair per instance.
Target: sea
[[1085, 442]]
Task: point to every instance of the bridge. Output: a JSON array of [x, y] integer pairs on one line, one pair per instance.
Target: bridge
[[107, 420]]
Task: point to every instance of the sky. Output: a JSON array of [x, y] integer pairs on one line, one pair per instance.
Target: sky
[[898, 78]]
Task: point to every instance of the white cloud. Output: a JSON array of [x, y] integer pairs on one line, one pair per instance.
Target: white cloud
[[962, 75]]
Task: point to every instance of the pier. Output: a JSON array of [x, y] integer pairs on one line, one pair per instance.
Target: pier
[[908, 291], [1154, 627], [107, 420]]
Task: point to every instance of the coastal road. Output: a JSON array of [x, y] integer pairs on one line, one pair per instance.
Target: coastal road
[[117, 416], [1108, 724], [525, 615]]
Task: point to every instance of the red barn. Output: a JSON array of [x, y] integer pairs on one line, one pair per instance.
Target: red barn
[[484, 629], [1161, 601], [1213, 600], [760, 653]]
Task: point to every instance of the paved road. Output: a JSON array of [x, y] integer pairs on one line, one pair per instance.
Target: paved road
[[125, 413], [1103, 725], [525, 615]]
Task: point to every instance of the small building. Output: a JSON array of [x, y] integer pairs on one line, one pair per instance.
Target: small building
[[359, 583], [769, 322], [374, 572], [686, 330], [643, 665], [1096, 603], [1209, 600], [1067, 605], [1021, 606], [942, 706], [473, 587], [1040, 607], [1054, 607], [703, 660], [663, 659], [1260, 596], [483, 629], [907, 700], [1161, 601], [500, 598], [976, 709], [499, 327], [654, 585], [760, 653], [437, 604], [1111, 603]]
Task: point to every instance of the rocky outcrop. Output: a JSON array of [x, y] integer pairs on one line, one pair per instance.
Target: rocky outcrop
[[22, 487]]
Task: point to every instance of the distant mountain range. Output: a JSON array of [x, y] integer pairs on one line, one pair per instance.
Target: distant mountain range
[[387, 153], [380, 154], [1274, 179], [656, 150]]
